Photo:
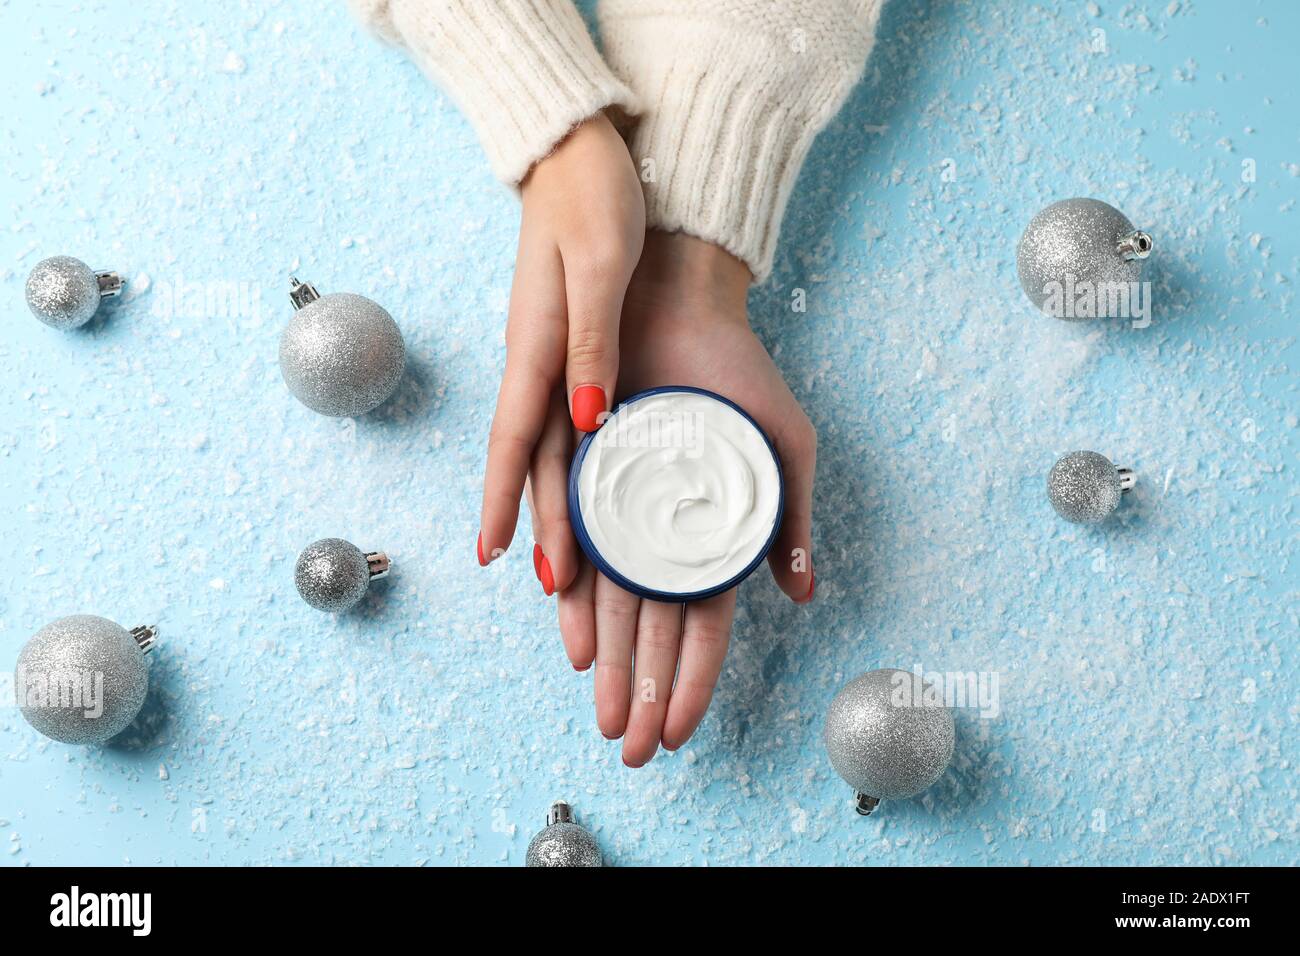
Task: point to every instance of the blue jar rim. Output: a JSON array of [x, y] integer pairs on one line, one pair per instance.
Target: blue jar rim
[[603, 566]]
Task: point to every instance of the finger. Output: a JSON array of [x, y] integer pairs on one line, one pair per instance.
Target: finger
[[791, 555], [616, 614], [578, 618], [658, 639], [535, 335], [706, 632], [595, 283], [555, 555]]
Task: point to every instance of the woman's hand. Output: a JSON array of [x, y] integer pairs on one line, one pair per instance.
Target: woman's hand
[[685, 323], [580, 237]]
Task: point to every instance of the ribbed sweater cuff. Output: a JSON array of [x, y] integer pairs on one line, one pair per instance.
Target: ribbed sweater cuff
[[524, 72], [733, 93]]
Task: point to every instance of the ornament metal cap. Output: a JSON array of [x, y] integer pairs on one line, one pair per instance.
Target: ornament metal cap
[[866, 804], [560, 812], [378, 563], [145, 636], [110, 284], [1127, 479], [301, 293], [1137, 245]]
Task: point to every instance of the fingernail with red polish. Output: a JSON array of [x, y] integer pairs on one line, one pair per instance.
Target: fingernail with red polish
[[482, 561], [546, 577], [588, 407], [812, 586], [537, 561], [581, 670]]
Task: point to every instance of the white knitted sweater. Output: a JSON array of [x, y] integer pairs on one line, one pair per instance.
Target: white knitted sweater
[[729, 93]]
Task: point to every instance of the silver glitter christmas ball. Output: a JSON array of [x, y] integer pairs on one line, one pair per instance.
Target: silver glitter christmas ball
[[885, 739], [1084, 487], [562, 842], [333, 574], [65, 293], [341, 354], [82, 679], [1078, 241]]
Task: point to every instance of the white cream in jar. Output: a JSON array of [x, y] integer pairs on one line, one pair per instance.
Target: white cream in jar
[[678, 494]]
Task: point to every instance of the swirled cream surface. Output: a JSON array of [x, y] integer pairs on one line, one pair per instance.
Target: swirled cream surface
[[679, 492]]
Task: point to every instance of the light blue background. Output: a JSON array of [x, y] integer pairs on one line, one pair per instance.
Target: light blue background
[[155, 469]]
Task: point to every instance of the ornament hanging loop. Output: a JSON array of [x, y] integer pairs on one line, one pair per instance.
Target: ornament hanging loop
[[301, 293], [1127, 479], [378, 563], [866, 804], [110, 284], [145, 637], [1137, 245]]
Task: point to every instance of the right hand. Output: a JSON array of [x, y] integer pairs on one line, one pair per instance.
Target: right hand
[[580, 237], [685, 323]]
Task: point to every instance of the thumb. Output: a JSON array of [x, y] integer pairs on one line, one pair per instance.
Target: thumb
[[791, 556], [595, 304]]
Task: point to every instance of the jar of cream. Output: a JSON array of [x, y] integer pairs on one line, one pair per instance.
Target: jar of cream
[[677, 496]]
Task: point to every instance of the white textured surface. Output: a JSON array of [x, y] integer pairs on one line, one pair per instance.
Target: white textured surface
[[679, 492]]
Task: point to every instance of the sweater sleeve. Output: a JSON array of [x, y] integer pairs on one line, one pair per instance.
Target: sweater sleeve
[[524, 72], [733, 93]]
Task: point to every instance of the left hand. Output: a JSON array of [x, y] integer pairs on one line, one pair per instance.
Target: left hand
[[685, 323]]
